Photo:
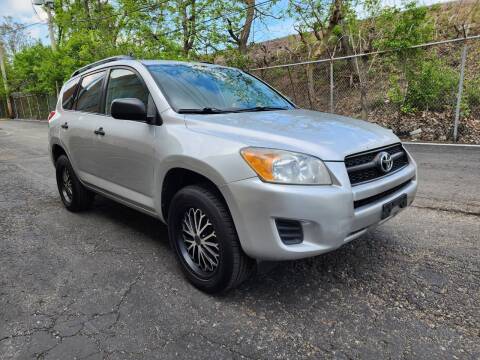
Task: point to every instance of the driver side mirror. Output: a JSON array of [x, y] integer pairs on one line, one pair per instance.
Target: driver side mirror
[[128, 109]]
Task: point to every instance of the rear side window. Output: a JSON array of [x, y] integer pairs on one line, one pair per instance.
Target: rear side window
[[124, 83], [90, 93], [68, 96]]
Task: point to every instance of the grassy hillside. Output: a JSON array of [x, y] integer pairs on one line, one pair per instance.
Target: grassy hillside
[[449, 21]]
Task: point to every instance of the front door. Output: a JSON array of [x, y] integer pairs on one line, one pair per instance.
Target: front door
[[125, 149]]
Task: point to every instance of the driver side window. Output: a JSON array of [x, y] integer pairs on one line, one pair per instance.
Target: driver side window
[[123, 83]]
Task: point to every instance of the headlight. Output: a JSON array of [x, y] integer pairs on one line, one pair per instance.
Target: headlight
[[285, 167]]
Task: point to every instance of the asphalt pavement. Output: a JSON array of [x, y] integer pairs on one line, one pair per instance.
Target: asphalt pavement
[[105, 284]]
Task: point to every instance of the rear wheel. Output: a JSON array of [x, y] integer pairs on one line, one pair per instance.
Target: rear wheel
[[74, 195], [203, 236]]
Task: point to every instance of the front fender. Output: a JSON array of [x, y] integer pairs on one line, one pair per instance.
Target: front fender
[[204, 168]]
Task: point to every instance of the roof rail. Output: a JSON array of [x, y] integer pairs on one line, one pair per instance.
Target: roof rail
[[100, 62]]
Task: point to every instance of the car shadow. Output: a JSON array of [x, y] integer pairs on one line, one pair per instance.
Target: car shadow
[[353, 265], [350, 268], [149, 227]]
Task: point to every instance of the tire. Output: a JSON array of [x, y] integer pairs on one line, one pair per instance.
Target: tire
[[75, 197], [232, 266]]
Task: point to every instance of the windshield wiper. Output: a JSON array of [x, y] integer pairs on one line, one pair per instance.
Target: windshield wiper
[[210, 110], [205, 110], [264, 108]]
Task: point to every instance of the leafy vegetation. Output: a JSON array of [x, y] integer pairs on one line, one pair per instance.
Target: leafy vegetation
[[87, 30], [431, 86]]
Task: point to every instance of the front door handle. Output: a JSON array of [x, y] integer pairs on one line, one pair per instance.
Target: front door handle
[[64, 126], [99, 131]]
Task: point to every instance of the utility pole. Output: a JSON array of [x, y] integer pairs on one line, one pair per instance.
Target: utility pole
[[48, 6], [5, 80], [51, 33]]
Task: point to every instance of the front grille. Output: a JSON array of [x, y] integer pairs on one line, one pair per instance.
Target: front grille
[[290, 231], [371, 199], [364, 166]]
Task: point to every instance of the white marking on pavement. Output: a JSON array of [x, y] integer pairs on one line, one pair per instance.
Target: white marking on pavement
[[438, 144]]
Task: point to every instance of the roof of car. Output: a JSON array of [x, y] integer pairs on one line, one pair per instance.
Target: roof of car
[[128, 59], [175, 62]]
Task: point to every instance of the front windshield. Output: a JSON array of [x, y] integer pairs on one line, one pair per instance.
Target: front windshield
[[197, 87]]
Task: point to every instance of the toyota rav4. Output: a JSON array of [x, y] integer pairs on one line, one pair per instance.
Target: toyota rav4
[[236, 170]]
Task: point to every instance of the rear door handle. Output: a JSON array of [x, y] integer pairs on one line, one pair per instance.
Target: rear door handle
[[64, 126], [99, 131]]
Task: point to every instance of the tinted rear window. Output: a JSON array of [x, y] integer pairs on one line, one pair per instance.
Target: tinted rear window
[[68, 96], [90, 93]]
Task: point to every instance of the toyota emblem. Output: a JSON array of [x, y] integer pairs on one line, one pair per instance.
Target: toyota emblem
[[385, 162]]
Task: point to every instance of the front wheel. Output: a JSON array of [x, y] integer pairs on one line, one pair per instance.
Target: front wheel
[[203, 236]]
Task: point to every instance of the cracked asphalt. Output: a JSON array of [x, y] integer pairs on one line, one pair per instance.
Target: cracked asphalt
[[104, 284]]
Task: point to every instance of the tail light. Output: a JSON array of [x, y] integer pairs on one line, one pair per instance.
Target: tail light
[[51, 115]]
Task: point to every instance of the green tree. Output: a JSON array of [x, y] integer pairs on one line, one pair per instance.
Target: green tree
[[401, 30], [319, 26], [36, 69], [13, 35], [384, 28]]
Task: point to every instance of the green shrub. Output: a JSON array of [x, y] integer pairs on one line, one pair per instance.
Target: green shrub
[[236, 59], [432, 86], [471, 95], [394, 93], [397, 97]]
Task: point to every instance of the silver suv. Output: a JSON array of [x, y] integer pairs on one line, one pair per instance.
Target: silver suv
[[236, 170]]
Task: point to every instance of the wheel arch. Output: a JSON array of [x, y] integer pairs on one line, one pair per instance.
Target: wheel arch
[[57, 151], [179, 177]]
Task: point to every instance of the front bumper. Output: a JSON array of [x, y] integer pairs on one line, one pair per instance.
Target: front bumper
[[326, 213]]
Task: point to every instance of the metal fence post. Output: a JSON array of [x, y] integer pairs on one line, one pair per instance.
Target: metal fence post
[[291, 84], [460, 91], [332, 108]]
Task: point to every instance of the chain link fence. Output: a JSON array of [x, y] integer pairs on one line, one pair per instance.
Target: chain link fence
[[413, 91], [419, 93]]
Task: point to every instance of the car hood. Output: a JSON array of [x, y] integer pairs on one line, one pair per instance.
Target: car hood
[[327, 136]]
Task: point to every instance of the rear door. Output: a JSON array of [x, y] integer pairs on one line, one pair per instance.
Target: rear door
[[80, 123], [125, 156], [68, 115]]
